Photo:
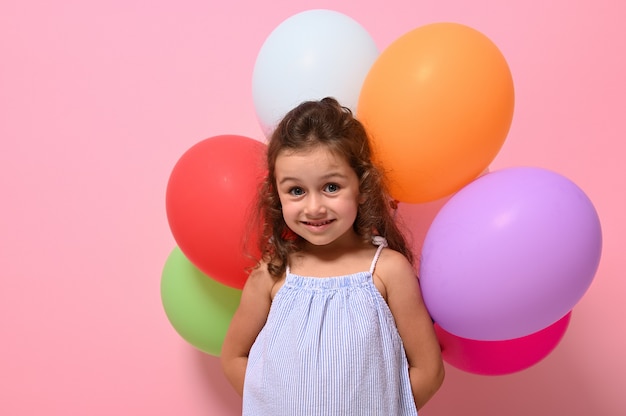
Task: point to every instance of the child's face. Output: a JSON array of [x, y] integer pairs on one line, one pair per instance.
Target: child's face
[[319, 193]]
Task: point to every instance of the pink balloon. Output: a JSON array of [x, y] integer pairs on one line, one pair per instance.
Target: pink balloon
[[510, 254], [493, 358]]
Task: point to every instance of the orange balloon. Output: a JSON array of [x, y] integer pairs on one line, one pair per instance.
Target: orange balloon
[[438, 104]]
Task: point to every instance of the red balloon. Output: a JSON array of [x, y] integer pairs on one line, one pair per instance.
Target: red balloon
[[209, 197], [493, 358]]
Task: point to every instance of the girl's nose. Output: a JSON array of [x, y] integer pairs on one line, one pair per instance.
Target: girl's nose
[[315, 205]]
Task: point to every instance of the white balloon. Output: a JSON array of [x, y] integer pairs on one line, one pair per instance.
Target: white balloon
[[311, 55]]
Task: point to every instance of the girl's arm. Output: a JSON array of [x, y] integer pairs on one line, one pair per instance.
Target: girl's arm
[[246, 325], [414, 323]]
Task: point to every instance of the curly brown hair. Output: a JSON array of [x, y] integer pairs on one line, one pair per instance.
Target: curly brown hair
[[327, 123]]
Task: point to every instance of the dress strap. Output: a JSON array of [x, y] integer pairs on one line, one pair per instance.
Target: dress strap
[[381, 242]]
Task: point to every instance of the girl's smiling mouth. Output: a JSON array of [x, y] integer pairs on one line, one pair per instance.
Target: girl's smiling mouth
[[317, 223]]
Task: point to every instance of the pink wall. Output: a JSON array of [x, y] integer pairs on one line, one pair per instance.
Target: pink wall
[[99, 100]]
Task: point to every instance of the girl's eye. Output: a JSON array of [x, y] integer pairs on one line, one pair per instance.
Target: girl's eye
[[296, 191], [331, 188]]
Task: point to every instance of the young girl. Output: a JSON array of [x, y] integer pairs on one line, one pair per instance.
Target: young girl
[[330, 322]]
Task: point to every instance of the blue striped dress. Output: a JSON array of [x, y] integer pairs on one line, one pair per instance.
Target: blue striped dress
[[330, 347]]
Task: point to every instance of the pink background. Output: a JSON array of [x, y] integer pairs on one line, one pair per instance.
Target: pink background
[[98, 101]]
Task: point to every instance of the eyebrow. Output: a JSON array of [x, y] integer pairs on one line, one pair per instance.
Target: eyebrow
[[326, 177]]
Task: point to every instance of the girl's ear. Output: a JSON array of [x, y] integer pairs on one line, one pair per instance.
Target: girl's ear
[[362, 199]]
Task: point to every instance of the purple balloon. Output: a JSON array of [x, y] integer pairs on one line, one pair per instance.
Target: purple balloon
[[510, 254]]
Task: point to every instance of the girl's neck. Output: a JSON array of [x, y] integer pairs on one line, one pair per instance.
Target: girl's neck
[[344, 256], [347, 243]]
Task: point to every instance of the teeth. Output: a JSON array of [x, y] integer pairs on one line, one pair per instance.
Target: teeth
[[317, 224]]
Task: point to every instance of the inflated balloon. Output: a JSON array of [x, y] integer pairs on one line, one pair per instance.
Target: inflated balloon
[[509, 254], [494, 358], [311, 55], [438, 104], [416, 219], [199, 308], [208, 200]]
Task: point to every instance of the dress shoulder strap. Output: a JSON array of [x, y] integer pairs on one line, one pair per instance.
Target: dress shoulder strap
[[381, 242]]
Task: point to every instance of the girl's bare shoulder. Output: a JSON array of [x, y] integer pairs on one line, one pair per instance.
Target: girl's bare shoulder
[[393, 266], [261, 280], [393, 259]]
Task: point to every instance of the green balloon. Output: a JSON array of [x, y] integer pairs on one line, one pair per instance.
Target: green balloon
[[199, 308]]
